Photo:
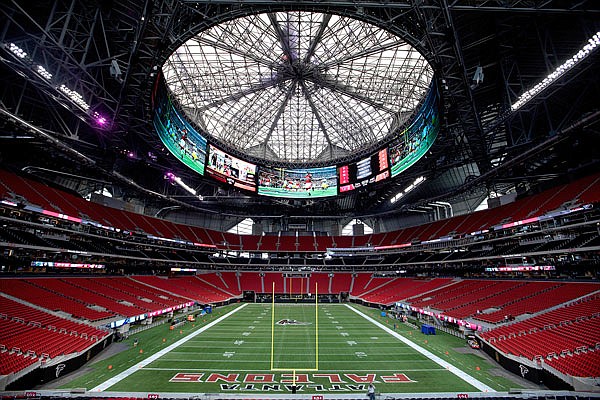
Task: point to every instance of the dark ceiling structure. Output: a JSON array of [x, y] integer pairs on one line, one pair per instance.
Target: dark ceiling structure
[[77, 79]]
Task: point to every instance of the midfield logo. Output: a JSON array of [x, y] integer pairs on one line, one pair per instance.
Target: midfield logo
[[291, 322], [283, 382]]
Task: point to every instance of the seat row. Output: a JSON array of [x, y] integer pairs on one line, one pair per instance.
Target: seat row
[[16, 188]]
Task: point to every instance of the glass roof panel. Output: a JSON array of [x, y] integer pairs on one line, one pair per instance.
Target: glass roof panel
[[296, 84]]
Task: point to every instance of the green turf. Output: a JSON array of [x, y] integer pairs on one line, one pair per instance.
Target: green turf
[[349, 346]]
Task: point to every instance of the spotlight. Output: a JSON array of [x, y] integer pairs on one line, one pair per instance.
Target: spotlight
[[408, 189], [99, 119], [173, 178]]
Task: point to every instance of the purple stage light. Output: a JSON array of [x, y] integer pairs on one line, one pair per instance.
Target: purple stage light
[[100, 119]]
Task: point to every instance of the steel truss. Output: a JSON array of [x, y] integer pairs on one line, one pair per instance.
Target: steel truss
[[77, 42], [298, 84]]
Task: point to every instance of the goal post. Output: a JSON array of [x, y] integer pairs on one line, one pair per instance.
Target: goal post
[[293, 370]]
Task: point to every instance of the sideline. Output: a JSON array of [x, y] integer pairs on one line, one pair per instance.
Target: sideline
[[129, 371], [445, 364]]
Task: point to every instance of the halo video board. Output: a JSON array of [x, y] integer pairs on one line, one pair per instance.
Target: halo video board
[[178, 136], [364, 172], [229, 169], [414, 141], [302, 183]]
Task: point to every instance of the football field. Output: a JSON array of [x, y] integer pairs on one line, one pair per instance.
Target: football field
[[253, 348]]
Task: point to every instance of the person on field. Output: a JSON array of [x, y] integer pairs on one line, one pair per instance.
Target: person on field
[[371, 391]]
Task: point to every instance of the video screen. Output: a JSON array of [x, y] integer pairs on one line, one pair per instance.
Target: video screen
[[302, 183], [226, 168], [364, 172], [178, 136], [414, 141]]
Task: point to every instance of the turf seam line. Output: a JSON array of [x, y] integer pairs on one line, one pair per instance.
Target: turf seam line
[[131, 370], [443, 363]]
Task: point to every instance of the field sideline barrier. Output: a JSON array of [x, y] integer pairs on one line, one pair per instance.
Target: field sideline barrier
[[524, 394]]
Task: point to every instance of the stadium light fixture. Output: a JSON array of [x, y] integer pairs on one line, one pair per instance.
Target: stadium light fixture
[[43, 72], [583, 53], [100, 119], [174, 178], [17, 51], [408, 189], [74, 97], [22, 54]]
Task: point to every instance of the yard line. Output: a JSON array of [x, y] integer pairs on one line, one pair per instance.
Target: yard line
[[352, 371], [249, 339], [230, 360], [458, 372], [240, 348], [129, 371], [200, 360]]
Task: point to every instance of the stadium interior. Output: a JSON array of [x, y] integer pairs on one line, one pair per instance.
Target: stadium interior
[[402, 193]]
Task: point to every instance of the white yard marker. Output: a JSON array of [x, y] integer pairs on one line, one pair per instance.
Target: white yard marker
[[129, 371], [461, 374]]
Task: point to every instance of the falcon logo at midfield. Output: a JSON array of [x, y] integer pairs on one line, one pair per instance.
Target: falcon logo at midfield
[[291, 322]]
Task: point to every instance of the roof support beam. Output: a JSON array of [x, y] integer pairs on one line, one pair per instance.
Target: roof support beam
[[317, 115], [283, 37], [317, 39], [444, 44], [280, 111]]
